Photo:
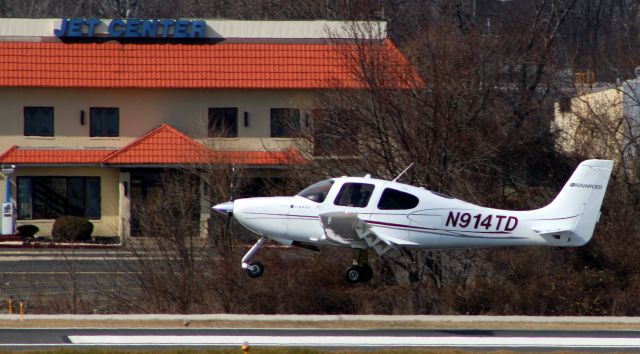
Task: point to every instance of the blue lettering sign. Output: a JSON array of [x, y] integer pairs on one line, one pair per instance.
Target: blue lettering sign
[[198, 29], [166, 24], [63, 28], [132, 28], [181, 28], [92, 23], [150, 29], [116, 28], [74, 27]]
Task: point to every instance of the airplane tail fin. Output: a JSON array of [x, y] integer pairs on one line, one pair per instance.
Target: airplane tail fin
[[571, 217]]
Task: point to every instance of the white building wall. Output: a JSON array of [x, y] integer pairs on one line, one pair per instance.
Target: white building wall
[[13, 29]]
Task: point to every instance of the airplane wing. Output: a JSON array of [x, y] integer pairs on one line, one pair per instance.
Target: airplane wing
[[345, 228]]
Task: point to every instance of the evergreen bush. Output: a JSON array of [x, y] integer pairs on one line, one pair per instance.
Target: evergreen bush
[[27, 231], [72, 229]]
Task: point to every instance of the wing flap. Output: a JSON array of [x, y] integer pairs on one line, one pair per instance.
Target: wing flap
[[345, 228]]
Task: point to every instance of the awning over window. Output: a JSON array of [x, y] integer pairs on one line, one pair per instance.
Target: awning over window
[[163, 145]]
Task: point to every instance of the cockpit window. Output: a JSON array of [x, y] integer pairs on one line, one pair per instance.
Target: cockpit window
[[354, 195], [317, 192], [396, 200]]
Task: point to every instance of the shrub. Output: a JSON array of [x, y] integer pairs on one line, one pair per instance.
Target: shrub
[[27, 231], [72, 229]]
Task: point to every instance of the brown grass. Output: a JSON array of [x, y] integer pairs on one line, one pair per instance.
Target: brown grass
[[483, 325]]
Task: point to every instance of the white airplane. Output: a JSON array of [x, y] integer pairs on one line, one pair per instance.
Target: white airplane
[[366, 213]]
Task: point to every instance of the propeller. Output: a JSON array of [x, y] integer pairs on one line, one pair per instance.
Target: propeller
[[227, 208], [224, 208]]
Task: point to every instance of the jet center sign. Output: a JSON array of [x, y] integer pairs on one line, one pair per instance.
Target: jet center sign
[[130, 28]]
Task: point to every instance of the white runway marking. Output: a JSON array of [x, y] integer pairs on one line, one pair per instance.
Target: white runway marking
[[360, 341]]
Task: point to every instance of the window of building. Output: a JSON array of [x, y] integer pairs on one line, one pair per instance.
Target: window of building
[[285, 122], [38, 121], [105, 121], [354, 195], [52, 197], [328, 133], [396, 200], [223, 122]]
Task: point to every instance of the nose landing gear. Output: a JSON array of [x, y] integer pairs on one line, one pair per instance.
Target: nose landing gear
[[253, 269]]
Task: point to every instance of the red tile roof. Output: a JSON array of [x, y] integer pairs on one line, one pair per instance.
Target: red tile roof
[[163, 145], [16, 155], [221, 65], [287, 157]]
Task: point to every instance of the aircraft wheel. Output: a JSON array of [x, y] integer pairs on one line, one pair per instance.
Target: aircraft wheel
[[353, 274], [255, 269], [367, 273]]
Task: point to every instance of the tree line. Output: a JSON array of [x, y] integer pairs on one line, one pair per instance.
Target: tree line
[[478, 129]]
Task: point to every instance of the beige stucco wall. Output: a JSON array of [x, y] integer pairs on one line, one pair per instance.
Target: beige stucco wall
[[593, 126], [107, 225], [140, 111], [143, 109]]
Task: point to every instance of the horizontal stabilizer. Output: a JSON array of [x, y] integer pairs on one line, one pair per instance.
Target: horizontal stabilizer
[[555, 237], [551, 232]]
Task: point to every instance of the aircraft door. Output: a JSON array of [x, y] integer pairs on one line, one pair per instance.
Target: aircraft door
[[356, 198]]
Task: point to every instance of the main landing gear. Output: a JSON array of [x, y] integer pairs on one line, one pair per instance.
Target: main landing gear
[[360, 271], [253, 269]]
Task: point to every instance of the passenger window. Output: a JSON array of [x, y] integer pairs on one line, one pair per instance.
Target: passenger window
[[354, 195], [396, 200]]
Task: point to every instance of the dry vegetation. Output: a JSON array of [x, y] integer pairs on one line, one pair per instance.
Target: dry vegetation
[[478, 130]]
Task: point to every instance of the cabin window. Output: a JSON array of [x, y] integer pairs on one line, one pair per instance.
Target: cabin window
[[354, 195], [396, 200], [317, 192]]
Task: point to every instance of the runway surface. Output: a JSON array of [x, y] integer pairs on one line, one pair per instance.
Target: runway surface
[[12, 339]]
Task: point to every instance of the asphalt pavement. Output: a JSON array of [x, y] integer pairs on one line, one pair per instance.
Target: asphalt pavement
[[25, 272], [148, 339]]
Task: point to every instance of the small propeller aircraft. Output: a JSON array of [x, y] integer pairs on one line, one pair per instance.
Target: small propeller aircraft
[[365, 213]]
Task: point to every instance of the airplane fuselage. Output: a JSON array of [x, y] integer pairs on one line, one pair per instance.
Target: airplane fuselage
[[435, 222]]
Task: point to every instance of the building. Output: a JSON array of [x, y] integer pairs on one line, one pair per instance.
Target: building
[[93, 109], [600, 122]]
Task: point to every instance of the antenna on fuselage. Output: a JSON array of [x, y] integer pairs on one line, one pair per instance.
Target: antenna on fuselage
[[401, 173]]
